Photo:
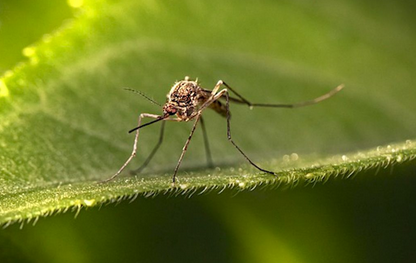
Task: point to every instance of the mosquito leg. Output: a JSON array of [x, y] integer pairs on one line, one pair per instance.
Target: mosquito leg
[[149, 158], [242, 100], [185, 147], [293, 105], [217, 87], [207, 149], [227, 105], [133, 153]]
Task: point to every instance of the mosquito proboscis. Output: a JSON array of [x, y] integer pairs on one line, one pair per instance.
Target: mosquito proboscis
[[186, 101]]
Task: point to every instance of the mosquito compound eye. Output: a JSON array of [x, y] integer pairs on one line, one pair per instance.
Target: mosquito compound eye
[[170, 110]]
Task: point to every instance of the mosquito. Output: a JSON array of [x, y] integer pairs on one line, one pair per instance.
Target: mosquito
[[187, 100]]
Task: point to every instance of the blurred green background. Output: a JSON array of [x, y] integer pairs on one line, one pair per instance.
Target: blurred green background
[[25, 22], [369, 218]]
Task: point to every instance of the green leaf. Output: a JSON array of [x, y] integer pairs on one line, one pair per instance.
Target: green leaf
[[65, 115]]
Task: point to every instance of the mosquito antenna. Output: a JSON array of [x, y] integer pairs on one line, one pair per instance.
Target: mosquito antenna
[[144, 125], [144, 96]]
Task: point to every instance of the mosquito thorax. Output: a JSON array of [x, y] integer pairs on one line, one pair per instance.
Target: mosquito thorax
[[184, 93], [184, 98]]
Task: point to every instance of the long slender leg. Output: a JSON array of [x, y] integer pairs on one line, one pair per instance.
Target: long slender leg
[[207, 149], [149, 158], [293, 105], [133, 153], [185, 147], [217, 96], [216, 88], [227, 105]]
